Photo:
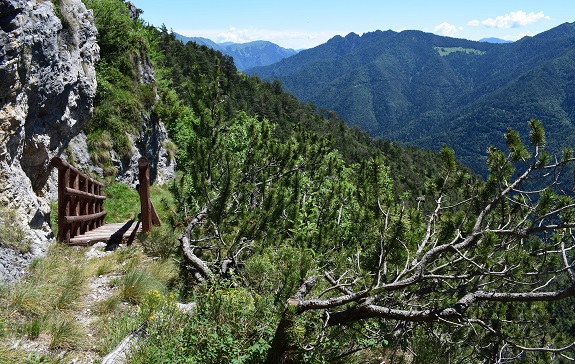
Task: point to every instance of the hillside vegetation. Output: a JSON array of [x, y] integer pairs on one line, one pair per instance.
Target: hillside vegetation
[[301, 240], [426, 90]]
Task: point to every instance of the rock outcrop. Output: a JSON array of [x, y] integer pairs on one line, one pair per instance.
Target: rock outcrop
[[47, 88], [149, 140]]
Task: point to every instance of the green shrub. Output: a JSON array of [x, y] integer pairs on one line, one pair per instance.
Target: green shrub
[[161, 242], [230, 325]]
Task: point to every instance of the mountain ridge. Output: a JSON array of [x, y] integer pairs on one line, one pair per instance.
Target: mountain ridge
[[246, 55], [428, 90]]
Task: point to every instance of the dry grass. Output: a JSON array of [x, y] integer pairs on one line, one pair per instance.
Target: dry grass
[[46, 317]]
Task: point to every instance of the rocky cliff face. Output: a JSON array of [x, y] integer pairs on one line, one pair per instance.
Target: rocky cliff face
[[47, 87]]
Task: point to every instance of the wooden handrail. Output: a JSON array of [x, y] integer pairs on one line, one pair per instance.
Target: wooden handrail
[[84, 218], [62, 164], [73, 192], [80, 201]]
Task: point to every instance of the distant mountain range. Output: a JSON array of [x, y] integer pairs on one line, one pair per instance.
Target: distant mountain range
[[495, 40], [246, 55], [427, 90]]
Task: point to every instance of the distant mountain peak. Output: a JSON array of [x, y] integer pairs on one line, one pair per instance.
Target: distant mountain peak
[[565, 30], [246, 55], [495, 40], [426, 89]]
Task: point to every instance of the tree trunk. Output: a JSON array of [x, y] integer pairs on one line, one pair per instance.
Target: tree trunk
[[282, 345]]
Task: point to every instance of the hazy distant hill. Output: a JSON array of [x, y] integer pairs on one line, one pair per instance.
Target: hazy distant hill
[[427, 90], [246, 55], [495, 40]]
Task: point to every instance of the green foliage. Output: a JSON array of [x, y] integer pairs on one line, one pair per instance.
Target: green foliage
[[536, 133], [228, 325], [121, 100], [162, 242], [516, 147]]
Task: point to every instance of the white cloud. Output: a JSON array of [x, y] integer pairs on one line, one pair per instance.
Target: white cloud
[[474, 23], [526, 34], [514, 19], [447, 29]]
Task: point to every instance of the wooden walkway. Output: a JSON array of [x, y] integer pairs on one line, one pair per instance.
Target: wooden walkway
[[109, 233]]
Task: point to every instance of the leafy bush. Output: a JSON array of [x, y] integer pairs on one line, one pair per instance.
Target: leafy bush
[[161, 242], [229, 325]]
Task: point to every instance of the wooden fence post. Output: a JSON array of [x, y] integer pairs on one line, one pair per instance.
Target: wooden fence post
[[145, 203], [63, 204]]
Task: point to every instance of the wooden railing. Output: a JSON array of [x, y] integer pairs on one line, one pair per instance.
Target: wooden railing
[[80, 201]]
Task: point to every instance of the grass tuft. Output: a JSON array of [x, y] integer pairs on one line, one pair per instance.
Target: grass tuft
[[65, 333], [34, 327], [135, 284]]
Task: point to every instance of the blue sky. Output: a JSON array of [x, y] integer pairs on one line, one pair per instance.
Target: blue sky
[[304, 24]]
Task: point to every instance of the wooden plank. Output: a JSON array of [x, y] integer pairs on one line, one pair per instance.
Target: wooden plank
[[110, 233]]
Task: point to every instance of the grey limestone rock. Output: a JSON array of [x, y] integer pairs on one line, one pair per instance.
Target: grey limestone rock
[[47, 88]]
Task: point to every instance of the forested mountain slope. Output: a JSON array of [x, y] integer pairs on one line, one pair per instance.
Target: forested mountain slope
[[191, 69], [351, 247], [427, 90]]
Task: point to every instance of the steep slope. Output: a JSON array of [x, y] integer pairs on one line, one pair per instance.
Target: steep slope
[[427, 90], [246, 55]]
